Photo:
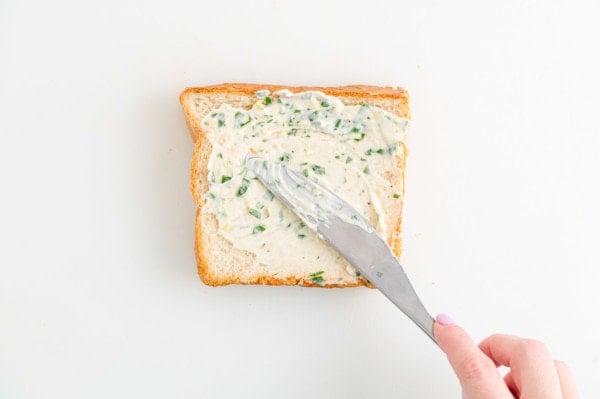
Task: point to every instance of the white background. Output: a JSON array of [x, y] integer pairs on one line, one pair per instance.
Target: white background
[[99, 295]]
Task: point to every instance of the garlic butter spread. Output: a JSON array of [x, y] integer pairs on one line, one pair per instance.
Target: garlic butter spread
[[345, 148]]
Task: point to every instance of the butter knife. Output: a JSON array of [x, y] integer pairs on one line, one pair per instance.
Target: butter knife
[[346, 230]]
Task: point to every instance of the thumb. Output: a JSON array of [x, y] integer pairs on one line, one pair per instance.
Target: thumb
[[476, 372]]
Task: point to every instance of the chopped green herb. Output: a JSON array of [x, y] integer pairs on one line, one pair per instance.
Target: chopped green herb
[[243, 188], [292, 132], [355, 130], [269, 195], [317, 278], [258, 229], [337, 124], [313, 115], [301, 236], [396, 195], [219, 155], [348, 159], [225, 178], [324, 104], [211, 177], [297, 111], [366, 170], [213, 114], [305, 172], [357, 273], [338, 156], [220, 119], [380, 151], [369, 151], [268, 100], [254, 213], [318, 169], [260, 205], [362, 136], [285, 157], [210, 195], [363, 159], [242, 119]]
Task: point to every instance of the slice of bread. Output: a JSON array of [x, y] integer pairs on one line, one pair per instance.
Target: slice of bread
[[221, 261]]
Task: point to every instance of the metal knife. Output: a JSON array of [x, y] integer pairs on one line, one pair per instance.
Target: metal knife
[[336, 222]]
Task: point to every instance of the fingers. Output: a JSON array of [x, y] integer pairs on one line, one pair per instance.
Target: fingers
[[510, 383], [476, 372], [567, 382], [532, 368]]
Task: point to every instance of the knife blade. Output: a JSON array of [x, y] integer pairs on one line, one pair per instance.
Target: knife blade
[[346, 230]]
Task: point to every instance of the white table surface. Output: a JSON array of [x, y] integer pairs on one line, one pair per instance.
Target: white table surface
[[99, 296]]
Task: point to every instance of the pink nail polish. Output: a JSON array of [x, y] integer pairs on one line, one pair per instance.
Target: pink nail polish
[[444, 319]]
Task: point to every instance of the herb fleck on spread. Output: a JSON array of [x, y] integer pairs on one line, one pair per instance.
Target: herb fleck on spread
[[254, 213], [243, 188], [258, 229], [317, 278]]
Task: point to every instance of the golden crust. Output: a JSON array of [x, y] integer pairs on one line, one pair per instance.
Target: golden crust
[[203, 149]]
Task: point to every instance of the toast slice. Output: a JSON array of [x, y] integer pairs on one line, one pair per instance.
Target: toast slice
[[284, 252]]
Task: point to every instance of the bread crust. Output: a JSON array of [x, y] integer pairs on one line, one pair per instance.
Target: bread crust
[[203, 149]]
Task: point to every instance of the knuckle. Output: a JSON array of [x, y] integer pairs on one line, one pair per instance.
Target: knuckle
[[532, 347], [475, 367]]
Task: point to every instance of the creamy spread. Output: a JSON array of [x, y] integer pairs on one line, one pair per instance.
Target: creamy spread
[[315, 205], [346, 148]]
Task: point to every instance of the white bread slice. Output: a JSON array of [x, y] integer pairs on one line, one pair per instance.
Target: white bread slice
[[219, 261]]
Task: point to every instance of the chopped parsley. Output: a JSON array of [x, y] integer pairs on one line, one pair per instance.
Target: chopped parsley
[[242, 119], [366, 170], [211, 176], [318, 169], [305, 172], [268, 100], [324, 104], [225, 178], [219, 155], [220, 119], [301, 236], [396, 195], [362, 136], [243, 188], [369, 151], [337, 124], [317, 278], [259, 228], [254, 213], [284, 158], [348, 159], [380, 151], [210, 195]]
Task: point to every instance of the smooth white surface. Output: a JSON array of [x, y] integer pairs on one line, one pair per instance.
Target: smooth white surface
[[98, 289]]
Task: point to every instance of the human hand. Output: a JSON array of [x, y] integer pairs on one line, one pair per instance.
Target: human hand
[[533, 373]]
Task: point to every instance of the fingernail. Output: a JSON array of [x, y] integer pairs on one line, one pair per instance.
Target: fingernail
[[444, 319]]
